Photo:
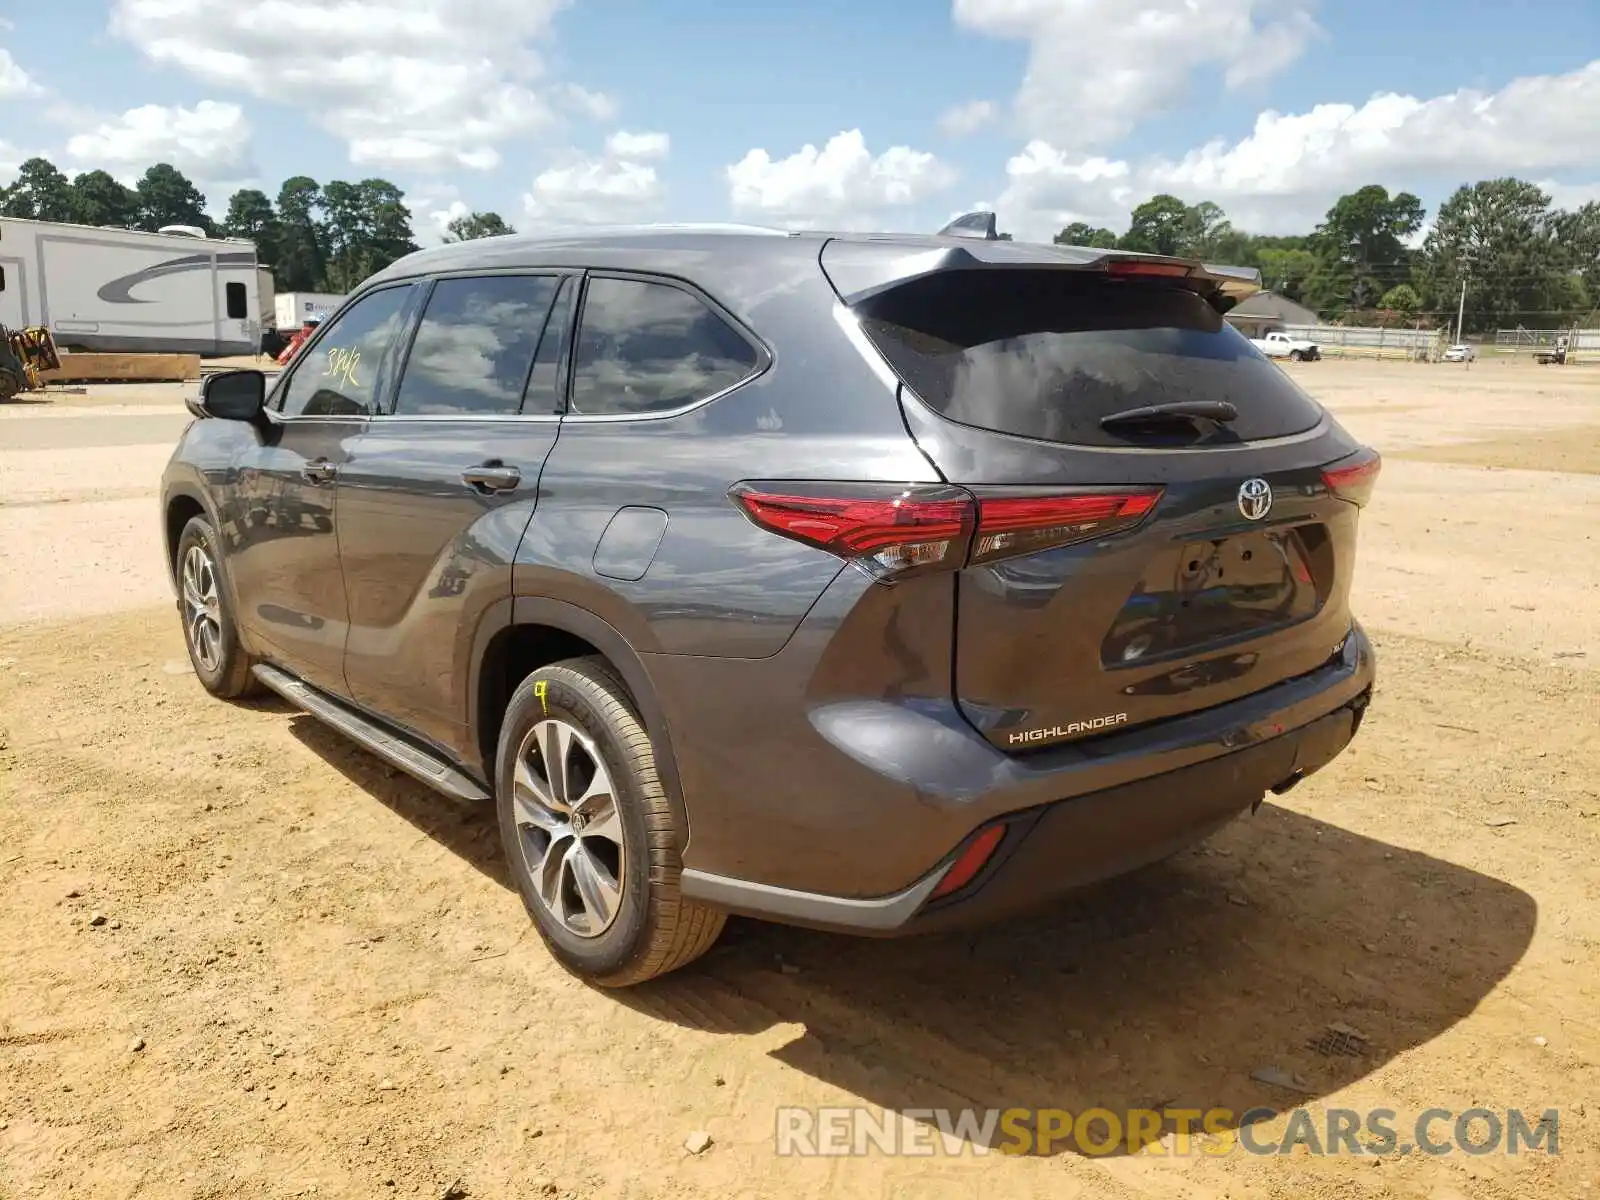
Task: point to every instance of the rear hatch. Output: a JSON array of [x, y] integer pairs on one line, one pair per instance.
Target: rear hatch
[[1166, 520]]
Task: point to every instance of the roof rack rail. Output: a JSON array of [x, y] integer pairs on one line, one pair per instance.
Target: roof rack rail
[[978, 225]]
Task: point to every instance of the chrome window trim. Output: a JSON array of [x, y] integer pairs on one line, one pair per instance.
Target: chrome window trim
[[437, 418]]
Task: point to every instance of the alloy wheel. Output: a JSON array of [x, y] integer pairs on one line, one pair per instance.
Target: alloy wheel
[[569, 829], [202, 608]]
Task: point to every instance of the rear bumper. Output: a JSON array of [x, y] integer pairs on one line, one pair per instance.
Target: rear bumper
[[1050, 851], [1072, 816]]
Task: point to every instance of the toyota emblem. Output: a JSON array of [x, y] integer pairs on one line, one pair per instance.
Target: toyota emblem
[[1255, 499]]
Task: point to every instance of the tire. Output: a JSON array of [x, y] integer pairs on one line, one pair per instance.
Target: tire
[[645, 927], [1297, 355], [219, 661]]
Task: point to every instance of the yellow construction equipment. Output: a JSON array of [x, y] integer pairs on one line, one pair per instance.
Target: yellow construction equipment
[[24, 355]]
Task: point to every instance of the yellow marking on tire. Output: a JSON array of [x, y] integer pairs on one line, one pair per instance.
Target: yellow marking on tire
[[540, 687]]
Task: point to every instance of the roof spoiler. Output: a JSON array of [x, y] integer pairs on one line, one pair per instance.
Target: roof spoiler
[[860, 269], [979, 225]]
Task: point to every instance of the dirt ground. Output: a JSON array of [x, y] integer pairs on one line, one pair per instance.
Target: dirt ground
[[241, 958]]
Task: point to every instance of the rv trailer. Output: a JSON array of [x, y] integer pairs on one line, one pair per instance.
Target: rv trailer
[[125, 290]]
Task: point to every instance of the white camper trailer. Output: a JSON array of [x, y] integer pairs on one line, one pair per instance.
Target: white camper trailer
[[120, 289]]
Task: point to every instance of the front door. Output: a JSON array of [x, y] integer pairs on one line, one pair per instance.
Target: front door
[[281, 517], [437, 492]]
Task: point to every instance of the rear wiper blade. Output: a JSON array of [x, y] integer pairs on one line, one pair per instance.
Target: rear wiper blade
[[1219, 411]]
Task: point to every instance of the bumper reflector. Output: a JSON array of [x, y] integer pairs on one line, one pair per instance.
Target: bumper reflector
[[971, 861]]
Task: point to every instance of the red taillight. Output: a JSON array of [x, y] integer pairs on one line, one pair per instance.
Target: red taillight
[[894, 529], [1134, 266], [972, 860], [1354, 478], [888, 529], [1010, 525]]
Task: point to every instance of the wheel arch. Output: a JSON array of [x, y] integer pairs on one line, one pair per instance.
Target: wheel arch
[[180, 506], [518, 635]]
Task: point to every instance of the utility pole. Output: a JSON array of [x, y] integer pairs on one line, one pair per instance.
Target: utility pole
[[1461, 312]]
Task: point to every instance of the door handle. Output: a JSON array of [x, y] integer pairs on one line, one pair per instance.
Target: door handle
[[492, 477], [319, 470]]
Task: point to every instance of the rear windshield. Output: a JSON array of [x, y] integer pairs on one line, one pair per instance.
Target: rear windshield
[[1046, 354]]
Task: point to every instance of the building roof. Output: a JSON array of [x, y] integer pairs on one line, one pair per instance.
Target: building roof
[[1270, 306]]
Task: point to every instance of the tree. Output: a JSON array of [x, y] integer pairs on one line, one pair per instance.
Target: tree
[[1161, 225], [41, 193], [1360, 248], [471, 226], [98, 199], [1579, 235], [1402, 298], [250, 216], [365, 226], [388, 223], [1284, 269], [166, 197], [298, 266], [1080, 233], [1210, 235], [1500, 237]]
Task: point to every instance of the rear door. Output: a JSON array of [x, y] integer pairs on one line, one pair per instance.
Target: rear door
[[1131, 569], [440, 487]]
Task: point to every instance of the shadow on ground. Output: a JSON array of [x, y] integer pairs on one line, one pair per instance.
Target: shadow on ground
[[1170, 988]]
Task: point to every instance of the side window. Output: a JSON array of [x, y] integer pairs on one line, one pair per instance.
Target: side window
[[238, 306], [475, 345], [341, 374], [648, 347]]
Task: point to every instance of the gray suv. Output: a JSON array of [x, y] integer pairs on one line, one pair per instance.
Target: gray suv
[[876, 583]]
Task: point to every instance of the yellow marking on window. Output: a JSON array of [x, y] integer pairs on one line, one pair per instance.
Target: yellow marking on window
[[342, 364]]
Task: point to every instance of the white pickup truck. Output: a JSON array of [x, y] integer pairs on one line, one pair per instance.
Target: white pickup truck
[[1278, 344]]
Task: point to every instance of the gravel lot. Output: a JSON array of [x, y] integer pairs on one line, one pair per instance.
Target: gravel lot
[[242, 958]]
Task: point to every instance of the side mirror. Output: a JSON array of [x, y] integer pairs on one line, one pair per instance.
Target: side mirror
[[234, 395]]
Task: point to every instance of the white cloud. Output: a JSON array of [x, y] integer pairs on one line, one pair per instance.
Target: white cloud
[[409, 84], [10, 159], [433, 206], [623, 144], [614, 187], [210, 141], [1097, 68], [1285, 174], [841, 185], [14, 81], [597, 106], [967, 118], [1571, 195]]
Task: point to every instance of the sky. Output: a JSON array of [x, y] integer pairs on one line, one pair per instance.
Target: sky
[[884, 114]]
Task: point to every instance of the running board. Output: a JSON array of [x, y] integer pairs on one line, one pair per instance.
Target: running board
[[413, 760]]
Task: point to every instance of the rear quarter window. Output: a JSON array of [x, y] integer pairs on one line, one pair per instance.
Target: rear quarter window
[[645, 347], [1047, 354]]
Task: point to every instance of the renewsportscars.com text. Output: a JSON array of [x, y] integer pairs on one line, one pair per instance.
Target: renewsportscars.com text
[[1178, 1132]]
